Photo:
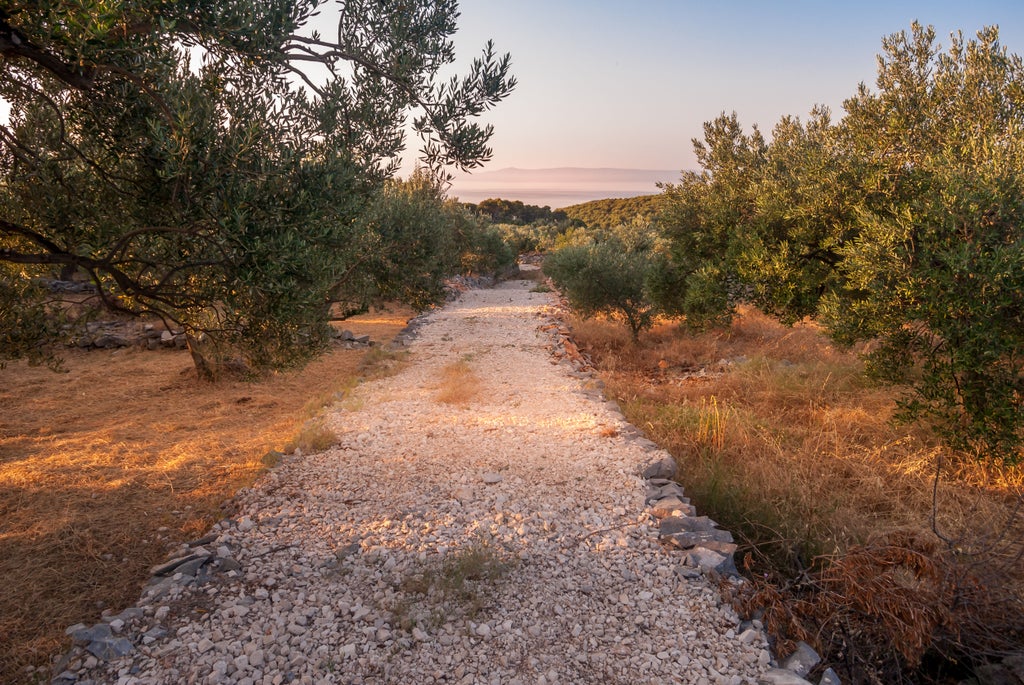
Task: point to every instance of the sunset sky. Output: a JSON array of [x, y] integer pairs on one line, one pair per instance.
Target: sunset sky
[[607, 83]]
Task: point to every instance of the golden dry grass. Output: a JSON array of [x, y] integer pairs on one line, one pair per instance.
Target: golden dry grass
[[103, 468], [781, 439], [459, 384]]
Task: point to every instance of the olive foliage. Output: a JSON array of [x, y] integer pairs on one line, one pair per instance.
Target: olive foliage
[[900, 224], [213, 161]]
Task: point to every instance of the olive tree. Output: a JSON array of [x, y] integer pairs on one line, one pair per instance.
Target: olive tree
[[900, 224], [935, 272], [609, 276], [210, 161]]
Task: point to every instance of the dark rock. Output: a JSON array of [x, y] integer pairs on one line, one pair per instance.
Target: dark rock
[[169, 567], [361, 340], [712, 539], [191, 567], [802, 660], [110, 649], [687, 573], [107, 341], [686, 524], [830, 677], [205, 540], [156, 632], [130, 614], [710, 560], [664, 468], [669, 506], [65, 678], [228, 564], [670, 490], [157, 588], [98, 632]]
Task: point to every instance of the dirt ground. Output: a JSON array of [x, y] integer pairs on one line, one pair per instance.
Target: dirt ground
[[106, 467]]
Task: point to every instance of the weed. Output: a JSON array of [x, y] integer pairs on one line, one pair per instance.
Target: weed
[[459, 384], [457, 585], [314, 436], [382, 361], [271, 459]]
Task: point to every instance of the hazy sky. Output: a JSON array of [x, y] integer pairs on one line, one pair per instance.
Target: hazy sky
[[611, 83]]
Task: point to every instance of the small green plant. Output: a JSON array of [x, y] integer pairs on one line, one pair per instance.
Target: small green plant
[[457, 585], [314, 436]]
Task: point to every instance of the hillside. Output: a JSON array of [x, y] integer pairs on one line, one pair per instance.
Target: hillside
[[611, 212]]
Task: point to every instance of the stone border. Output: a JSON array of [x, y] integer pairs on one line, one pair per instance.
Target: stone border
[[707, 549]]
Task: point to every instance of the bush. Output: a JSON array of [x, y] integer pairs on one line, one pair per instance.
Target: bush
[[604, 278]]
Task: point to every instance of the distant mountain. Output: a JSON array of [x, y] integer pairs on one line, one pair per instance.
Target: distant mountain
[[559, 187]]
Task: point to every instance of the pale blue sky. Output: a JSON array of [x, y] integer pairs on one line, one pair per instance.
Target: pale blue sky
[[607, 83]]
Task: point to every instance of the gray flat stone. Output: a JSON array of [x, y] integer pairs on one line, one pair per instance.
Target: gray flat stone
[[830, 677], [169, 567], [192, 566], [110, 649], [780, 676], [100, 631], [802, 660], [664, 468], [712, 539], [669, 506], [686, 524]]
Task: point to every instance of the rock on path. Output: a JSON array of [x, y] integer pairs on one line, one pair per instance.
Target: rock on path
[[505, 540]]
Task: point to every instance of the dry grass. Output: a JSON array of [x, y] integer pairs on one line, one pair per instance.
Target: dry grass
[[781, 439], [102, 469], [459, 384]]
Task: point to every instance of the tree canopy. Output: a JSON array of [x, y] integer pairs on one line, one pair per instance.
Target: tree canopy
[[900, 224], [211, 161]]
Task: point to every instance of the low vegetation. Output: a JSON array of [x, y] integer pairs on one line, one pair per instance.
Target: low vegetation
[[455, 586], [459, 384], [613, 212], [239, 194], [780, 437], [105, 467]]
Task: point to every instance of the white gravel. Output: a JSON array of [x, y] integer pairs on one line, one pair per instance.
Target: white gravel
[[351, 559]]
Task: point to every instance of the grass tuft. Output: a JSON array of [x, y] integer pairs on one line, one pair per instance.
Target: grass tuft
[[457, 586], [459, 384], [314, 436]]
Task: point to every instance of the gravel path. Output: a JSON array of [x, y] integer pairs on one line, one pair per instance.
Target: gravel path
[[505, 540]]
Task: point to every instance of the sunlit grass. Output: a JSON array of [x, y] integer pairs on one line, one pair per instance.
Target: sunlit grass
[[94, 463], [459, 384], [780, 438]]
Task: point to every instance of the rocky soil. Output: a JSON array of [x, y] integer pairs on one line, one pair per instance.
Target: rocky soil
[[505, 539]]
